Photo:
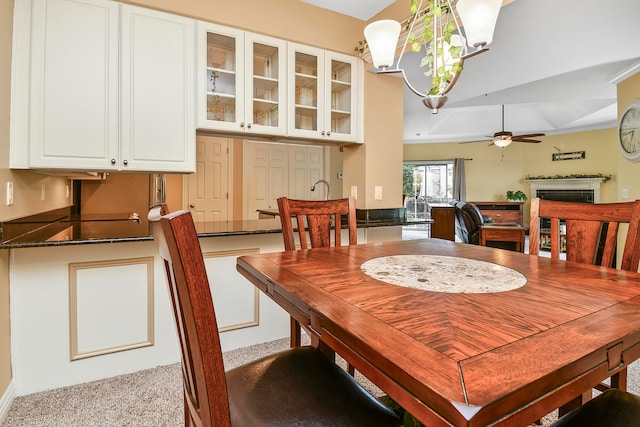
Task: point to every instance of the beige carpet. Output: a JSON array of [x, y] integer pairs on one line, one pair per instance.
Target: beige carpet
[[149, 398]]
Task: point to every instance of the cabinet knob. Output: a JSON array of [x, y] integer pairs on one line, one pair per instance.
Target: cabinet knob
[[248, 125], [241, 124], [192, 206], [125, 162], [328, 133], [113, 161], [322, 133]]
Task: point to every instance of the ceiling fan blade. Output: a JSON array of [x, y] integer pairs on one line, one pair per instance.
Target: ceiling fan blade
[[529, 135], [477, 140], [516, 139]]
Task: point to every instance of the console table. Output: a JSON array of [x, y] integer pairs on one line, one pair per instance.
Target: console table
[[502, 212], [503, 233]]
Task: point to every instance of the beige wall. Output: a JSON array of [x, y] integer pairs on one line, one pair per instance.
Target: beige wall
[[628, 173]]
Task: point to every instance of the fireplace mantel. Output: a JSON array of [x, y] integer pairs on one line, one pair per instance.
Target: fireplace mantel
[[567, 184]]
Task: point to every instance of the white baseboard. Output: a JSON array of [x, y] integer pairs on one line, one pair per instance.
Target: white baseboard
[[7, 399]]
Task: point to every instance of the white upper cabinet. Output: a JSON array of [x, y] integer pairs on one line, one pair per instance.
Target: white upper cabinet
[[109, 87], [72, 113], [241, 81], [158, 90], [322, 94]]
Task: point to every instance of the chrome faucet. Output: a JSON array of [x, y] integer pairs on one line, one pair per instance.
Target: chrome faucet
[[325, 182]]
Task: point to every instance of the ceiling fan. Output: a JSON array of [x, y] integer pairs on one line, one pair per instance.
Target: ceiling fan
[[504, 138]]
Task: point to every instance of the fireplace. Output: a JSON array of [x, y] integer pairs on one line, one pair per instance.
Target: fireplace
[[569, 190], [584, 196]]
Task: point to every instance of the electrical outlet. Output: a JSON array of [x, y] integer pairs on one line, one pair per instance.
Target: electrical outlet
[[625, 193], [354, 191], [9, 193], [378, 192]]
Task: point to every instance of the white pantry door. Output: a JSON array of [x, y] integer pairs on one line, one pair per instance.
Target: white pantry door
[[208, 187]]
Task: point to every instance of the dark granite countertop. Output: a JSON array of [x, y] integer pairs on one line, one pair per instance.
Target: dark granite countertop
[[62, 228]]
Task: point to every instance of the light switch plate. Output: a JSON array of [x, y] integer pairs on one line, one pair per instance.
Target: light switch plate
[[354, 191], [9, 193], [378, 192]]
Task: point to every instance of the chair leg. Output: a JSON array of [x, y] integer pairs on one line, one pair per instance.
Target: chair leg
[[619, 380], [296, 338]]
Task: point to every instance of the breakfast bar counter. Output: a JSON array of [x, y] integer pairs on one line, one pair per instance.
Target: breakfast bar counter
[[61, 228], [89, 295]]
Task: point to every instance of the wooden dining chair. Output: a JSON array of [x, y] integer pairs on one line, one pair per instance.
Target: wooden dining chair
[[591, 231], [318, 218], [299, 386], [591, 237]]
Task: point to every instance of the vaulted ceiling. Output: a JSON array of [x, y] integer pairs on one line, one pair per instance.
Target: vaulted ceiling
[[554, 64]]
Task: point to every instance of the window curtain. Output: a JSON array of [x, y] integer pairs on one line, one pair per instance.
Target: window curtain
[[459, 183]]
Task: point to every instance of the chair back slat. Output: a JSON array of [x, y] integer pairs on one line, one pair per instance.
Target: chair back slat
[[591, 231], [205, 387], [317, 218], [631, 254]]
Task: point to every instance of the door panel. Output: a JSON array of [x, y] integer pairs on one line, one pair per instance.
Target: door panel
[[208, 187]]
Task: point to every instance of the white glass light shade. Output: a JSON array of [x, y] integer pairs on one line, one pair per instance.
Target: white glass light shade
[[499, 142], [382, 38], [478, 20]]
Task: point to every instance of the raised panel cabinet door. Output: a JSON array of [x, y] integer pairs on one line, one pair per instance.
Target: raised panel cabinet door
[[219, 75], [73, 107], [158, 91]]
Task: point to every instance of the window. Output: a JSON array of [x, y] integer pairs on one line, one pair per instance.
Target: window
[[426, 183]]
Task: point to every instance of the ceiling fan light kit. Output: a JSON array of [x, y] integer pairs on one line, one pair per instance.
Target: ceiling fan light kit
[[499, 142], [445, 50]]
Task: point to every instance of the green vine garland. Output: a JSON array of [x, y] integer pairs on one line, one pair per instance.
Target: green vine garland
[[572, 176]]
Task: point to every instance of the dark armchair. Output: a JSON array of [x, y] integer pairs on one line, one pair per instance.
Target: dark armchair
[[469, 220]]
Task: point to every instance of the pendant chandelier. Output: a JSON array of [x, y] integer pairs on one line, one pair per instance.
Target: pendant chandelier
[[443, 38]]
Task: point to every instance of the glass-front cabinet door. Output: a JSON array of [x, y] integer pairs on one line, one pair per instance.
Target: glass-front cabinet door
[[340, 92], [265, 87], [306, 91], [219, 77], [322, 94], [241, 79]]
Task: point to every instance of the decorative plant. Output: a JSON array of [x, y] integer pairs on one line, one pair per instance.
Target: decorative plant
[[442, 57], [516, 195]]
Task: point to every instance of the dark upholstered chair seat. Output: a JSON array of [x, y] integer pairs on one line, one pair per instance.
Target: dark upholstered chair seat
[[301, 387], [613, 408]]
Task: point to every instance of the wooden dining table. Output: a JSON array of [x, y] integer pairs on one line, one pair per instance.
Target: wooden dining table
[[459, 334]]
